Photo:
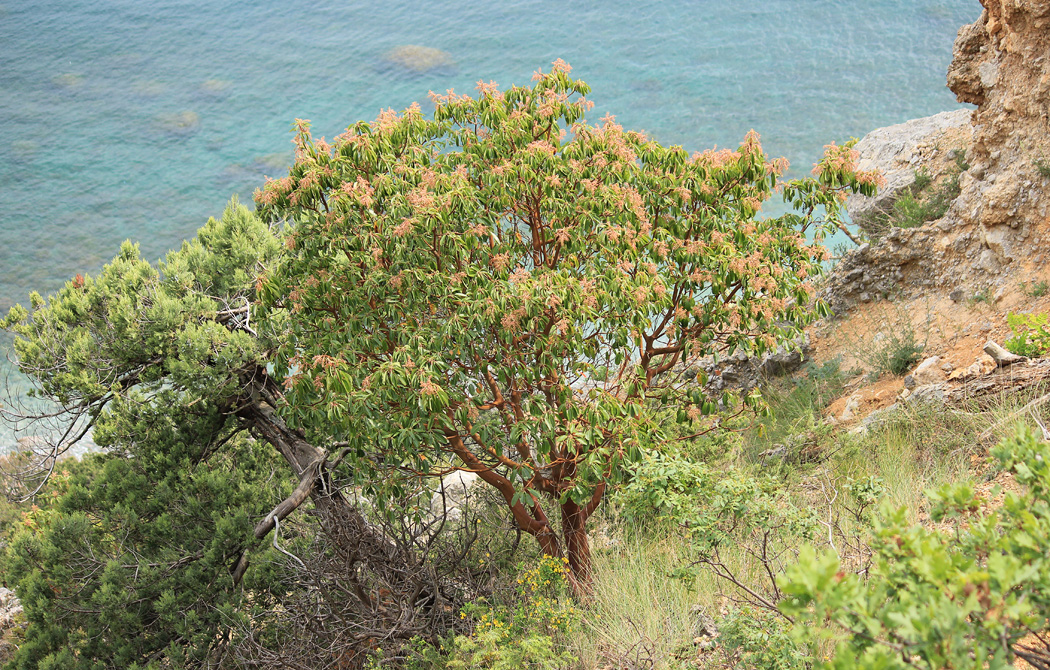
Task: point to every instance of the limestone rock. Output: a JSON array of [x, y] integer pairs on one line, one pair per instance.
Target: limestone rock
[[787, 358], [741, 371], [928, 372], [1000, 64], [927, 394], [898, 151], [453, 495], [849, 413], [10, 608], [874, 419]]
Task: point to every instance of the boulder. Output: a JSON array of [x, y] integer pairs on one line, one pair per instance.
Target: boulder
[[927, 394], [452, 495], [787, 358], [10, 608], [928, 372]]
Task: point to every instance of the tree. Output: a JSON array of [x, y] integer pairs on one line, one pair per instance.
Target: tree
[[507, 290], [142, 561]]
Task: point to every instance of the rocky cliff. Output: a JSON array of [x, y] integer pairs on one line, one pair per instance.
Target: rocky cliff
[[997, 230], [1001, 65]]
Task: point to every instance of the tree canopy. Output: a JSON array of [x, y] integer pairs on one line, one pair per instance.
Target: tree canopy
[[143, 556], [508, 290]]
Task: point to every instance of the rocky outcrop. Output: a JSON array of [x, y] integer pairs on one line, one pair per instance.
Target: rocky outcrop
[[743, 372], [901, 151], [998, 227], [1002, 64], [10, 617]]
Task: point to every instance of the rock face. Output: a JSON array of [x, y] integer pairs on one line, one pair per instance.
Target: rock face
[[1000, 222], [10, 609], [1001, 65], [899, 151], [740, 371]]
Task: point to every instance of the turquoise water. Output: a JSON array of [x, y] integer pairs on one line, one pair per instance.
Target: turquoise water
[[136, 119]]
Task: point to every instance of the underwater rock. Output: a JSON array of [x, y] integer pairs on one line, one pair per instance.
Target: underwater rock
[[419, 59], [178, 123], [149, 89], [24, 149], [215, 88], [68, 80]]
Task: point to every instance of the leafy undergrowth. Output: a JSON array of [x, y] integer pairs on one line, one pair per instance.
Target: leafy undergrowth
[[717, 557]]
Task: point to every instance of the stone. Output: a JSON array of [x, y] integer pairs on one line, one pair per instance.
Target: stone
[[985, 364], [850, 411], [874, 419], [787, 358], [989, 262], [452, 495], [928, 372], [779, 452], [927, 394], [10, 608]]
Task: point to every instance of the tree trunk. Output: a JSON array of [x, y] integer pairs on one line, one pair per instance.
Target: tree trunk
[[577, 546], [340, 519]]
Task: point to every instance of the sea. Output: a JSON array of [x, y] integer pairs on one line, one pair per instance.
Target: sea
[[139, 119]]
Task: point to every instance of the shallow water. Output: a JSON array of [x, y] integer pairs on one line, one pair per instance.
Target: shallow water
[[130, 119]]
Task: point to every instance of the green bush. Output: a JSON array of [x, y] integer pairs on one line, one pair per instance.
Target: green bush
[[926, 200], [530, 632], [1031, 334], [756, 639], [1036, 288], [970, 591], [898, 353], [1042, 166]]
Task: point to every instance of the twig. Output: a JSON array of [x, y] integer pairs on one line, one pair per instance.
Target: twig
[[1013, 415], [276, 533]]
